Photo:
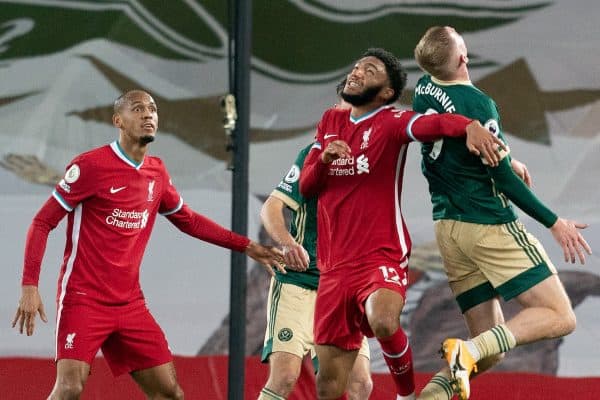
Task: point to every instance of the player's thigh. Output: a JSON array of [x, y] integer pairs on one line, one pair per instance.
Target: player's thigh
[[512, 259], [383, 308], [290, 320], [338, 316], [361, 370], [550, 293], [72, 373], [158, 380], [81, 329], [284, 368], [335, 364], [382, 295], [138, 344]]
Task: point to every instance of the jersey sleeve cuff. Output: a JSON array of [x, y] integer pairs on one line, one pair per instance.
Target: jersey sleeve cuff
[[409, 131], [287, 200]]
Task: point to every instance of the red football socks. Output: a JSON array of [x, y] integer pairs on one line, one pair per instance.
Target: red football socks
[[398, 356]]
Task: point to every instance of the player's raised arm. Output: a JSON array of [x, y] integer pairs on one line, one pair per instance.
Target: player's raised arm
[[429, 128]]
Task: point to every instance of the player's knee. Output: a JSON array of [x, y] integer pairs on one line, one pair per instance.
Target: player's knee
[[384, 326], [67, 390], [172, 392], [360, 388], [566, 324], [329, 388], [284, 383]]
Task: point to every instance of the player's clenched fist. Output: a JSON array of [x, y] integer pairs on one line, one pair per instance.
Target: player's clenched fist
[[334, 150]]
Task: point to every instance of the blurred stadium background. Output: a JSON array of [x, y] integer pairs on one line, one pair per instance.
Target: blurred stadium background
[[62, 63]]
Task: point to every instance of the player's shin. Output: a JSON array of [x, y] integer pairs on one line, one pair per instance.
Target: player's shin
[[398, 356], [438, 388]]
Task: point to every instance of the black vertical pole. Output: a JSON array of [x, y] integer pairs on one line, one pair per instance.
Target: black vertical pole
[[242, 28]]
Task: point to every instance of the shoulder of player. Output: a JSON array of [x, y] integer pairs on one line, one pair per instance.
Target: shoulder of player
[[394, 112], [302, 154], [95, 158], [335, 113], [424, 79], [153, 160]]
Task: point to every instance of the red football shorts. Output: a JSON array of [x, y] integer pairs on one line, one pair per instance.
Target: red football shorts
[[128, 335], [340, 318]]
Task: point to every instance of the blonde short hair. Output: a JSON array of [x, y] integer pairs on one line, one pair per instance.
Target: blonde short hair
[[434, 50]]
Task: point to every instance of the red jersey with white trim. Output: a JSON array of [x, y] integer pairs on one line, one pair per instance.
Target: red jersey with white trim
[[112, 203], [359, 214]]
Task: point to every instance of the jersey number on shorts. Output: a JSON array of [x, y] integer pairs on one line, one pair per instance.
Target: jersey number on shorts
[[391, 275]]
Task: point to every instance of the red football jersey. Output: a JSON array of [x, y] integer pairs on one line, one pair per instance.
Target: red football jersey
[[359, 215], [112, 203]]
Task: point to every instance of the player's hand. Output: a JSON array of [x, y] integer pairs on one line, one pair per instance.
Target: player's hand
[[566, 233], [270, 257], [521, 170], [29, 305], [334, 150], [484, 144], [295, 256]]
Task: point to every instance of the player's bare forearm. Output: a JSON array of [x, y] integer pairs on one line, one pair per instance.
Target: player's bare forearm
[[29, 306], [294, 255]]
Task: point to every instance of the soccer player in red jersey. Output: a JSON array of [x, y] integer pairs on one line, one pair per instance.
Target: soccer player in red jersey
[[111, 196], [356, 168]]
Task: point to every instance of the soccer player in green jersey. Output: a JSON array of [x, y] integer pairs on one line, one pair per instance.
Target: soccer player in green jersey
[[486, 251], [291, 304]]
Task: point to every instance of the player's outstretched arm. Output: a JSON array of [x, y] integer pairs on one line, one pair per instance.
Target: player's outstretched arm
[[431, 127], [270, 257], [271, 214], [568, 236], [29, 306]]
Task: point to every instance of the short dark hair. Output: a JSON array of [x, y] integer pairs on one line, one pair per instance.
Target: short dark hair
[[340, 86], [395, 72], [125, 98]]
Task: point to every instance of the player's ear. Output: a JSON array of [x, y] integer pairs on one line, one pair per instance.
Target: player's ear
[[117, 121], [387, 93]]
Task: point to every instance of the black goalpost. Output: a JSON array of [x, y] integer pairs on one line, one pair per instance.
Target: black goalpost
[[237, 122]]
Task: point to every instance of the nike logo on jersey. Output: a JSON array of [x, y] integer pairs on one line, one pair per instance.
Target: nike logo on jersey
[[116, 190], [328, 135]]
